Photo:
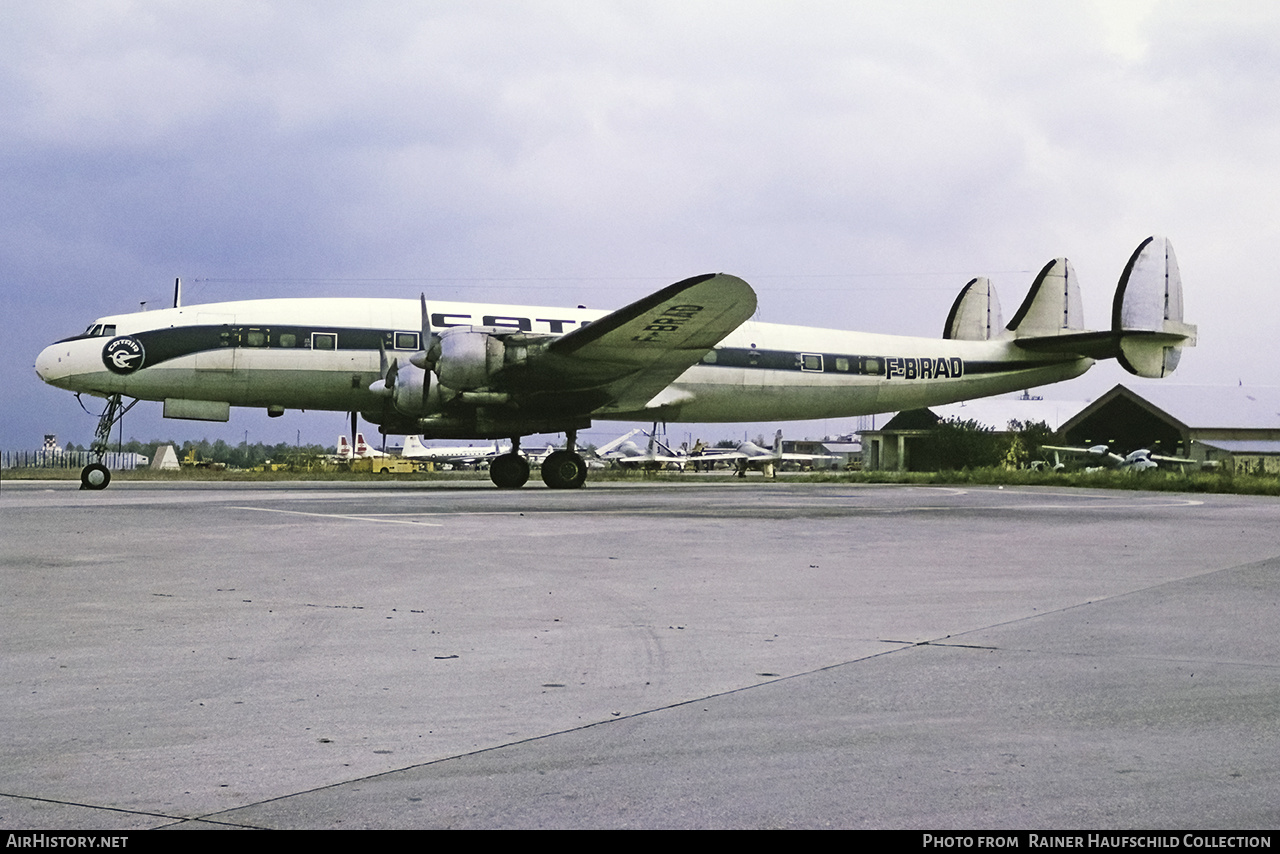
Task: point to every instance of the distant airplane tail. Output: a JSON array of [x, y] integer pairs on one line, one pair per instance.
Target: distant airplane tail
[[344, 448], [1147, 332]]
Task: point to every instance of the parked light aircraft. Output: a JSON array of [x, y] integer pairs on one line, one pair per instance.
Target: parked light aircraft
[[687, 353], [749, 456], [627, 454], [1139, 460]]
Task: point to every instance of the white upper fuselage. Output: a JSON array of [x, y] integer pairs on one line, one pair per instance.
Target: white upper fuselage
[[326, 353]]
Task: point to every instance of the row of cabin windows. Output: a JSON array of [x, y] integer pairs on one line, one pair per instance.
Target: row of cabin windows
[[253, 337], [814, 362]]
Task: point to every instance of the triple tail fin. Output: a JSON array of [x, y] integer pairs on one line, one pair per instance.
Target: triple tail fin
[[1147, 331]]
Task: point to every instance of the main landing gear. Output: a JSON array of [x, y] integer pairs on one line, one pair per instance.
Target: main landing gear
[[509, 471], [96, 475], [564, 470], [560, 470]]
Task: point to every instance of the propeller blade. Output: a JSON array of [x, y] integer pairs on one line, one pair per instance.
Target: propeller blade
[[427, 341], [383, 366], [422, 358]]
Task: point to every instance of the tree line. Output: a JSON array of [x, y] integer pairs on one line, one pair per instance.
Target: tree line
[[955, 445], [242, 455]]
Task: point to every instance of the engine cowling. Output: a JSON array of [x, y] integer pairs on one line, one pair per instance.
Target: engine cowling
[[468, 357], [409, 391]]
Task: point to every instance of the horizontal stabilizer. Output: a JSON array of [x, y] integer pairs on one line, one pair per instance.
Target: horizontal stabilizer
[[1052, 306], [975, 315]]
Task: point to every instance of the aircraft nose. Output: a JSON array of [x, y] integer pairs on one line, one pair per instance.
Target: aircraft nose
[[50, 364]]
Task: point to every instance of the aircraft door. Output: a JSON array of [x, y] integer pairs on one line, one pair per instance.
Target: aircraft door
[[219, 352]]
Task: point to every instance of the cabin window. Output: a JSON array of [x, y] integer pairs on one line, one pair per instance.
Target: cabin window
[[811, 362], [873, 366], [710, 358], [255, 338], [406, 340], [324, 341], [287, 339], [842, 363]]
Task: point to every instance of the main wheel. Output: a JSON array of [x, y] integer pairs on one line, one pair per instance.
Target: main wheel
[[564, 470], [95, 476], [509, 471]]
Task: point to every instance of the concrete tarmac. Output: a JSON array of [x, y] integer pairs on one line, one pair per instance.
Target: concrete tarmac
[[690, 655]]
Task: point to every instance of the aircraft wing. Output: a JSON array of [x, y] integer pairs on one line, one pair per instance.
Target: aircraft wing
[[807, 458], [608, 447], [1097, 452], [623, 360], [1181, 461]]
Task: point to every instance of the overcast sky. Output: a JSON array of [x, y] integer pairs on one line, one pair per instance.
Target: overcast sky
[[856, 162]]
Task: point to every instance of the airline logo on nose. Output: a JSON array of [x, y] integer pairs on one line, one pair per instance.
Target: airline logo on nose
[[123, 355]]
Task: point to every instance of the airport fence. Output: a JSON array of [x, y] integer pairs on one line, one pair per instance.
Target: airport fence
[[114, 460]]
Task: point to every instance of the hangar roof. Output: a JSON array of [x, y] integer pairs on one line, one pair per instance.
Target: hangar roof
[[1205, 407], [1243, 446], [1195, 406]]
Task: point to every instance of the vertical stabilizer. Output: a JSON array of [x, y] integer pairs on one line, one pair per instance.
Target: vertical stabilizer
[[975, 315], [1052, 306], [1149, 300]]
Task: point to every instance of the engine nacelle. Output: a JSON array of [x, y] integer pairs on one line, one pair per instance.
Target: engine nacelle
[[409, 393], [468, 357]]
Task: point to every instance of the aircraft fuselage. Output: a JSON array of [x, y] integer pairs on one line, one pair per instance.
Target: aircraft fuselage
[[326, 353]]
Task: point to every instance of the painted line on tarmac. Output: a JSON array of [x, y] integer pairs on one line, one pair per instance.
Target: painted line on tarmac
[[349, 517]]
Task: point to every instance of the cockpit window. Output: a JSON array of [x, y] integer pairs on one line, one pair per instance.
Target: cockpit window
[[100, 330]]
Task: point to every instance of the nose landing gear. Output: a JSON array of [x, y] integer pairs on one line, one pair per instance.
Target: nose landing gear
[[96, 475]]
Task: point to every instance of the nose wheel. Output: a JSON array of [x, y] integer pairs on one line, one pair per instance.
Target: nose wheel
[[95, 476]]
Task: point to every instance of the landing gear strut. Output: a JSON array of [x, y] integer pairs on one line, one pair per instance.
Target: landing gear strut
[[96, 475]]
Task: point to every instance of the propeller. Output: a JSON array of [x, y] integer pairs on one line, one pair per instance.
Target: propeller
[[400, 385]]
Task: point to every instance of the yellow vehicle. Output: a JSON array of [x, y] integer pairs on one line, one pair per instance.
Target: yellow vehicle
[[384, 465]]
